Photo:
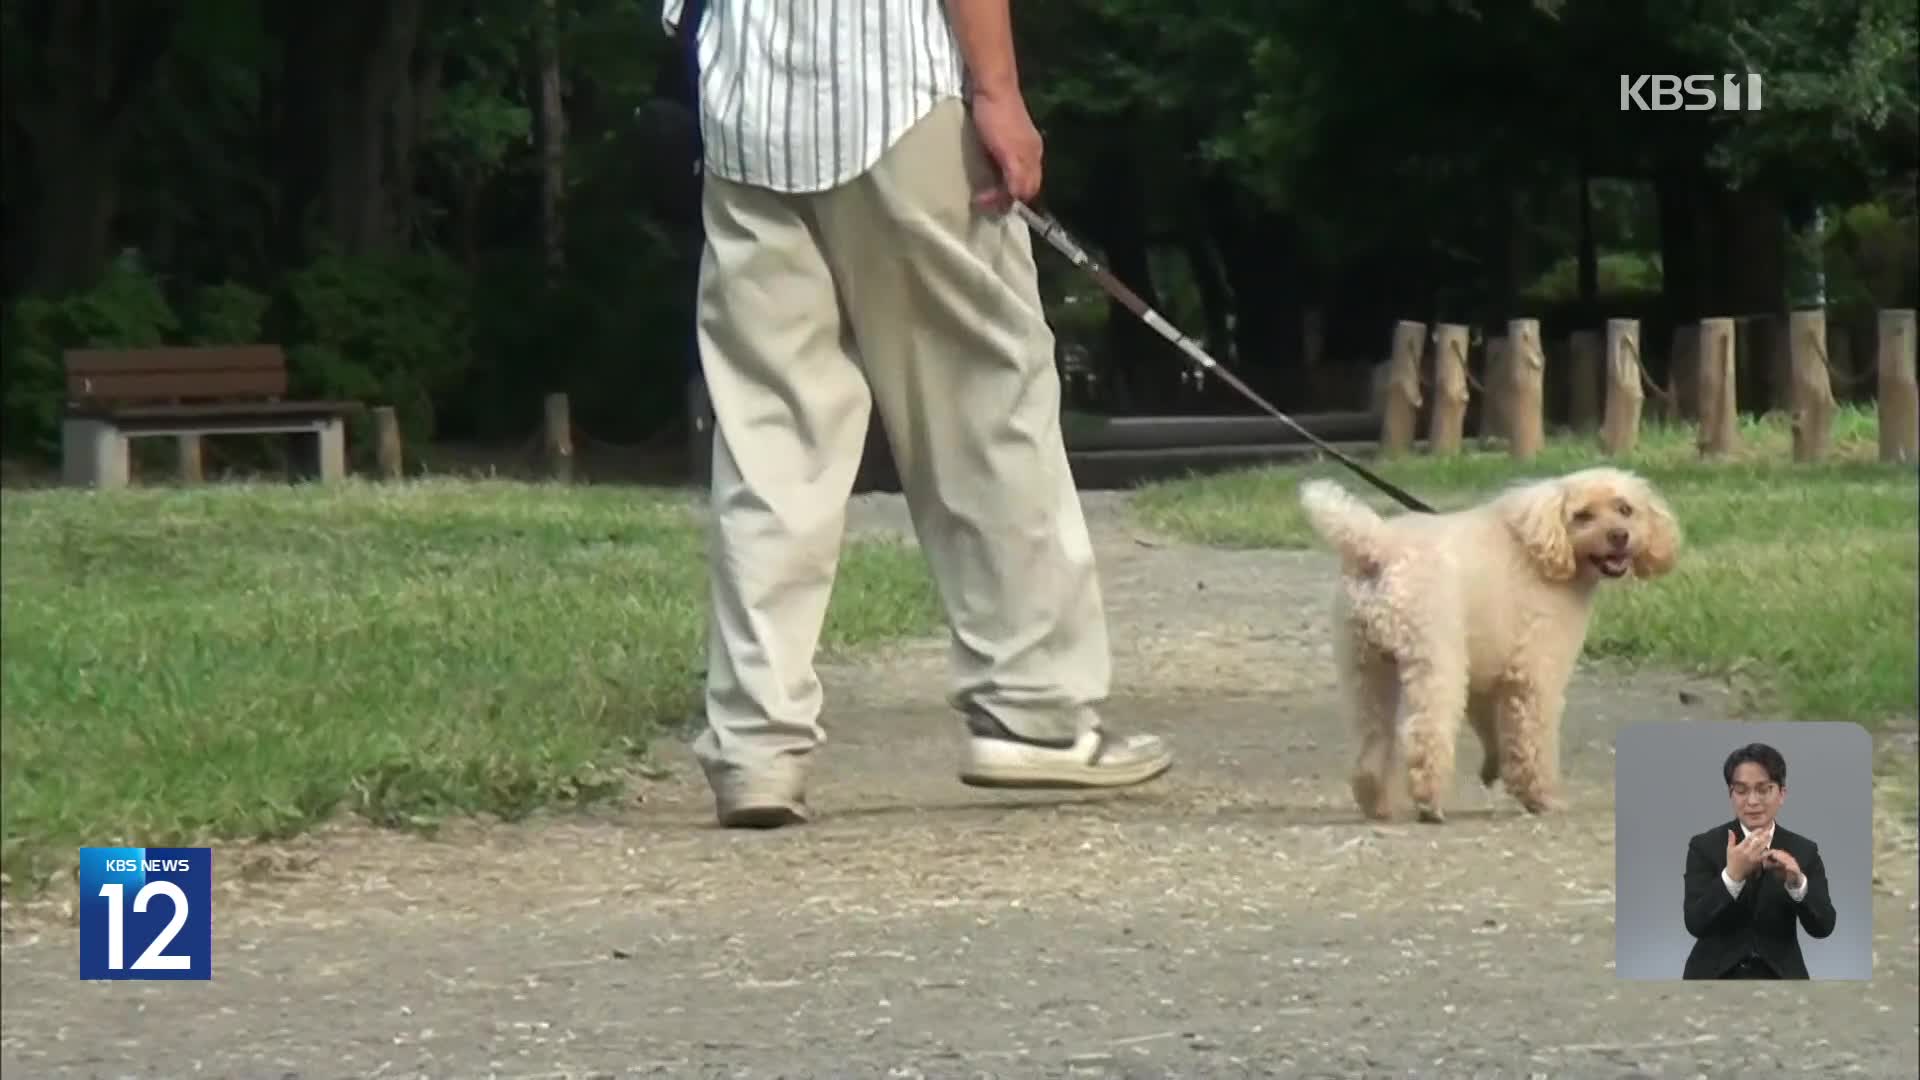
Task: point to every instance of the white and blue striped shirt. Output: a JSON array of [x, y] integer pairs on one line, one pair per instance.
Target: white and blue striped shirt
[[804, 95]]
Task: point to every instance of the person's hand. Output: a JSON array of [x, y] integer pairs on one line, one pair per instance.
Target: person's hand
[[1007, 133], [1786, 864], [1743, 856]]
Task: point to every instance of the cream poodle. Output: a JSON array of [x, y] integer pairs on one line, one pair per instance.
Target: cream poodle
[[1480, 613]]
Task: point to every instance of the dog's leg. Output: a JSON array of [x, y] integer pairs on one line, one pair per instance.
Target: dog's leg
[[1435, 686], [1373, 683], [1529, 721], [1483, 715]]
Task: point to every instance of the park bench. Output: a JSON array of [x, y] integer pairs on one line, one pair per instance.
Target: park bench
[[114, 395]]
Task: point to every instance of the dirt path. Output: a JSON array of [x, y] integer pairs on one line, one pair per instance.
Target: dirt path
[[1235, 920]]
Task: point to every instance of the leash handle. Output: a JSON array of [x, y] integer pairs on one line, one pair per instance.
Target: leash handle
[[1058, 237]]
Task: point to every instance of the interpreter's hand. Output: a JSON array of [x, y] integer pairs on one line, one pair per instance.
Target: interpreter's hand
[[1787, 865], [1011, 140], [1744, 856]]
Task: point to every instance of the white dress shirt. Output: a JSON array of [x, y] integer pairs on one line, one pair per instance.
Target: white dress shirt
[[1735, 887], [803, 95]]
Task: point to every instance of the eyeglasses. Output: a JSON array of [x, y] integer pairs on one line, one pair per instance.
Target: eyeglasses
[[1758, 791]]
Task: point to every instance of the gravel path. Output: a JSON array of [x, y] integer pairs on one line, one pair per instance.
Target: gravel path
[[1235, 920]]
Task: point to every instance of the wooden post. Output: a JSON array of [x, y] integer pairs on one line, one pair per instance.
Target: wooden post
[[1625, 392], [1526, 388], [1402, 403], [1719, 416], [1493, 412], [386, 432], [191, 454], [559, 438], [94, 453], [330, 450], [1899, 398], [1447, 425], [1683, 375], [1811, 405], [1583, 371]]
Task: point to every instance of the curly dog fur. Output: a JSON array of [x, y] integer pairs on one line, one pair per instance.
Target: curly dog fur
[[1479, 613]]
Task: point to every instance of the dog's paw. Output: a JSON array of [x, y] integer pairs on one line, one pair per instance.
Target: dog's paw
[[1490, 771], [1371, 796], [1430, 814], [1543, 804]]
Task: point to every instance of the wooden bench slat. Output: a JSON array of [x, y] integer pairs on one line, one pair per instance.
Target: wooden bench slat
[[162, 385], [205, 410], [177, 358]]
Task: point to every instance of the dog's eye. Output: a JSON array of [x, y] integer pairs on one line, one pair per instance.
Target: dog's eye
[[1581, 517], [1626, 508]]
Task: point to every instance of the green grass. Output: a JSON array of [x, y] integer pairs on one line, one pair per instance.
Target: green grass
[[1796, 582], [241, 661]]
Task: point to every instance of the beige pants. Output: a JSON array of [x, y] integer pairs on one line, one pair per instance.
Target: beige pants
[[889, 291]]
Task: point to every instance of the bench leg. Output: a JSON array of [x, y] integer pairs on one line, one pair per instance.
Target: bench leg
[[192, 470], [330, 451], [93, 454]]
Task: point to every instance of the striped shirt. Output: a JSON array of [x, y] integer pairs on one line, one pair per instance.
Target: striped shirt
[[804, 95]]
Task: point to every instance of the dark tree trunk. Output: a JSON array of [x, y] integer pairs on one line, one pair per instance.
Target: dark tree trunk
[[75, 223], [1589, 251], [553, 144], [1753, 246], [99, 58], [1120, 229], [346, 68], [1516, 255], [1215, 303], [1256, 249], [1679, 247]]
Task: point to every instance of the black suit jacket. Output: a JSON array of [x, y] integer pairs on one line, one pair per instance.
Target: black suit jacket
[[1762, 921]]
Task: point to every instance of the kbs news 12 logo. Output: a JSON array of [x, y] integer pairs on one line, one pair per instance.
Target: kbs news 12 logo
[[1691, 93], [146, 913]]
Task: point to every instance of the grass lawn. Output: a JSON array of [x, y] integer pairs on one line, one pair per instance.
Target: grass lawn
[[240, 661], [1798, 582]]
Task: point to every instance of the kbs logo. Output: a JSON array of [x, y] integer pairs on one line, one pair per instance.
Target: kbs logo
[[1691, 93], [146, 913]]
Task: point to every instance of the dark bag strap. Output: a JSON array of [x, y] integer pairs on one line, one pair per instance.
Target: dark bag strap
[[686, 38]]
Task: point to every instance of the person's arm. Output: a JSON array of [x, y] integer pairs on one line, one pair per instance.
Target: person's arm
[[984, 31], [1707, 899], [1815, 908]]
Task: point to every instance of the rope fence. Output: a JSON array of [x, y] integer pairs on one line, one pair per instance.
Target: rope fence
[[1604, 382]]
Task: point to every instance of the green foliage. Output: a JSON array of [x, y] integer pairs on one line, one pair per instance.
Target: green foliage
[[1622, 275], [227, 314], [1841, 90], [126, 307], [475, 130], [1868, 251], [384, 329]]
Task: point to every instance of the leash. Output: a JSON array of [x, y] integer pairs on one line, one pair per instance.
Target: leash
[[1057, 236]]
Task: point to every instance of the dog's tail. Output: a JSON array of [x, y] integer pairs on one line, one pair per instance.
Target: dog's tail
[[1348, 525]]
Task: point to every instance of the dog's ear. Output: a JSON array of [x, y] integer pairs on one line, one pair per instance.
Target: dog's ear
[[1537, 516], [1657, 554]]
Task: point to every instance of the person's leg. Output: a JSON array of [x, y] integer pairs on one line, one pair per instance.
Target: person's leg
[[790, 419], [945, 305]]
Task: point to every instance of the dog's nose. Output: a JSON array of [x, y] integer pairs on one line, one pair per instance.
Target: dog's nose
[[1617, 537]]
